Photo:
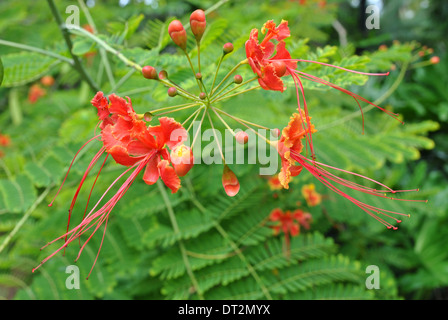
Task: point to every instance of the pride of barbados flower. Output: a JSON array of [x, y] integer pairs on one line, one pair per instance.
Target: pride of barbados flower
[[290, 148], [136, 146]]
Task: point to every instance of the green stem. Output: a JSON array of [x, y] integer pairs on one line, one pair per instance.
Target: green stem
[[216, 73], [38, 50], [103, 54], [24, 218], [199, 56], [180, 242], [192, 69], [178, 109], [76, 62], [227, 76], [174, 107], [173, 84], [225, 96], [249, 267], [103, 44], [194, 114], [216, 138], [219, 95]]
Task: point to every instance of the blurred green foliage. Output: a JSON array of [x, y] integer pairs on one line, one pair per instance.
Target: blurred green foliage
[[230, 249]]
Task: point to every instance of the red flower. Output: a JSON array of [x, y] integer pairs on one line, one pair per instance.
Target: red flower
[[4, 140], [153, 141], [289, 222], [35, 93], [290, 147], [274, 183], [312, 198], [259, 55], [291, 139], [131, 143]]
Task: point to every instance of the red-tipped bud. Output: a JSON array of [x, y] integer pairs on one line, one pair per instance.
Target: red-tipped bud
[[276, 132], [237, 79], [147, 116], [178, 34], [182, 159], [198, 24], [227, 48], [280, 68], [202, 96], [198, 76], [149, 72], [242, 137], [172, 92], [435, 60], [230, 182], [163, 75]]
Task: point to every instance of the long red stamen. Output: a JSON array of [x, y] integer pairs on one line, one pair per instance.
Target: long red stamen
[[306, 128], [315, 168], [333, 66], [73, 160], [91, 190], [98, 217], [354, 95], [75, 197]]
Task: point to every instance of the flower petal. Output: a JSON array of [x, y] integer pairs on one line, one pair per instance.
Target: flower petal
[[169, 176]]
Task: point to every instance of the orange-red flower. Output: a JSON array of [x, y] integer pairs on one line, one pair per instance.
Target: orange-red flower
[[260, 57], [4, 140], [133, 144], [35, 93], [290, 222], [274, 183], [291, 139], [290, 150], [312, 197]]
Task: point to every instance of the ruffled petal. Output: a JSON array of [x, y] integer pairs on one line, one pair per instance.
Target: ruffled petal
[[169, 176], [151, 174]]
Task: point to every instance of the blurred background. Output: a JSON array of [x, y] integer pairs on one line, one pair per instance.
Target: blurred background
[[226, 248]]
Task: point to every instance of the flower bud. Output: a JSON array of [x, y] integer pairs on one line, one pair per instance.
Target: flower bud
[[149, 72], [237, 79], [242, 137], [230, 182], [178, 34], [198, 24], [163, 75], [198, 76], [435, 60], [172, 92], [276, 132], [47, 81], [182, 159], [227, 48], [202, 96]]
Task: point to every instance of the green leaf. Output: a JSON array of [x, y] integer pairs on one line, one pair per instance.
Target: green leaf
[[82, 46], [22, 68]]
